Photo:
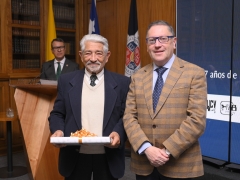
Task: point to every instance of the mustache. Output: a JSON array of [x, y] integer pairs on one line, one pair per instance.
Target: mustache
[[95, 62]]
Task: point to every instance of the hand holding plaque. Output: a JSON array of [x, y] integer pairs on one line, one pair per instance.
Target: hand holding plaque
[[81, 137]]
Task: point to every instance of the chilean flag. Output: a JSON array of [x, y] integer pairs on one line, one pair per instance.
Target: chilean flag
[[133, 52], [93, 22]]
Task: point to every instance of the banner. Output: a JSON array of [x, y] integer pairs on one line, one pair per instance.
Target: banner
[[132, 53], [220, 59], [93, 22], [51, 32]]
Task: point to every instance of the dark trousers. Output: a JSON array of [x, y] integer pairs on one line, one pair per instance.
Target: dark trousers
[[91, 164], [155, 175]]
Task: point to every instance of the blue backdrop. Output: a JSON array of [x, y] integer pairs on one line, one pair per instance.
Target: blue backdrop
[[208, 35]]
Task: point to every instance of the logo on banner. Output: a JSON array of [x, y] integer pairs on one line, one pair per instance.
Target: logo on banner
[[225, 108], [211, 105], [132, 54]]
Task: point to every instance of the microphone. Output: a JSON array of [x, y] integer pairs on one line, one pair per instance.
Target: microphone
[[31, 82]]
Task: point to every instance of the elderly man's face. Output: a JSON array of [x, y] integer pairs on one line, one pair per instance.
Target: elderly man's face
[[93, 57]]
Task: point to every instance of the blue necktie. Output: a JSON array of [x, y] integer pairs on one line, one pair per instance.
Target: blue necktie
[[158, 87]]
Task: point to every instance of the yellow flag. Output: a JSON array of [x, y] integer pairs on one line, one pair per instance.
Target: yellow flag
[[51, 32]]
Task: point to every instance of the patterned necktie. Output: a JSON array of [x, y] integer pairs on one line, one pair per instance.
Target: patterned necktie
[[58, 70], [158, 87], [93, 78]]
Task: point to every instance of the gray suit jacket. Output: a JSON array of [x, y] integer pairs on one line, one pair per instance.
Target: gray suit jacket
[[48, 71]]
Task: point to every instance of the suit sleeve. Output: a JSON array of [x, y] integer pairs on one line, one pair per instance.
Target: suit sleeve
[[42, 75], [135, 134], [57, 115], [119, 128]]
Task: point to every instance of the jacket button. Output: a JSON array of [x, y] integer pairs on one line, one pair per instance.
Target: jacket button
[[154, 126]]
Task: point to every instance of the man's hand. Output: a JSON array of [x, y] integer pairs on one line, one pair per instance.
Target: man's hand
[[115, 140], [156, 156], [58, 133]]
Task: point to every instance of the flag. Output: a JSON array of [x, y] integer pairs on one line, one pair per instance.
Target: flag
[[132, 53], [93, 22], [51, 32]]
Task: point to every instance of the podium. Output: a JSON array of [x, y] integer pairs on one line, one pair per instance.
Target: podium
[[34, 103]]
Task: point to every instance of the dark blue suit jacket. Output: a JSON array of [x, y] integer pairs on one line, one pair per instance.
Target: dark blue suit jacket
[[66, 116]]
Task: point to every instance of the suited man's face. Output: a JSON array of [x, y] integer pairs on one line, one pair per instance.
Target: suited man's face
[[58, 50], [93, 57], [161, 53]]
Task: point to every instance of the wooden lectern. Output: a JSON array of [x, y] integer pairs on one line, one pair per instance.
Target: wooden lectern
[[34, 103]]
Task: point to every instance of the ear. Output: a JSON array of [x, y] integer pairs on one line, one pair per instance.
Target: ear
[[80, 55], [108, 55], [174, 42]]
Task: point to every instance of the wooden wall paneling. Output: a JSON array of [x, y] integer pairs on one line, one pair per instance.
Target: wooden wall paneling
[[5, 39], [123, 10], [144, 18], [79, 27], [113, 17], [0, 41], [162, 10], [107, 22], [83, 20], [107, 19], [45, 22], [109, 28], [86, 15], [42, 40], [149, 11], [4, 94]]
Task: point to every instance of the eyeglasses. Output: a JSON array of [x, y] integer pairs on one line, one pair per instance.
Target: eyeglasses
[[161, 39], [58, 48], [90, 53]]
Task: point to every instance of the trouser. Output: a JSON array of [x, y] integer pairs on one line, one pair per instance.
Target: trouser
[[155, 175], [91, 164]]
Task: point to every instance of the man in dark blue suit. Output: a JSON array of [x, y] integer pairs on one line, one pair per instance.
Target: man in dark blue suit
[[50, 68], [92, 99]]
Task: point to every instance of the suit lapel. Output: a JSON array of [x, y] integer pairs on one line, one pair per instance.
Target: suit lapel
[[65, 66], [52, 75], [147, 88], [110, 96], [75, 96], [172, 78]]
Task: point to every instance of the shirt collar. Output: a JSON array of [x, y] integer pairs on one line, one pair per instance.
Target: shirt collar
[[99, 75], [61, 62], [167, 65]]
